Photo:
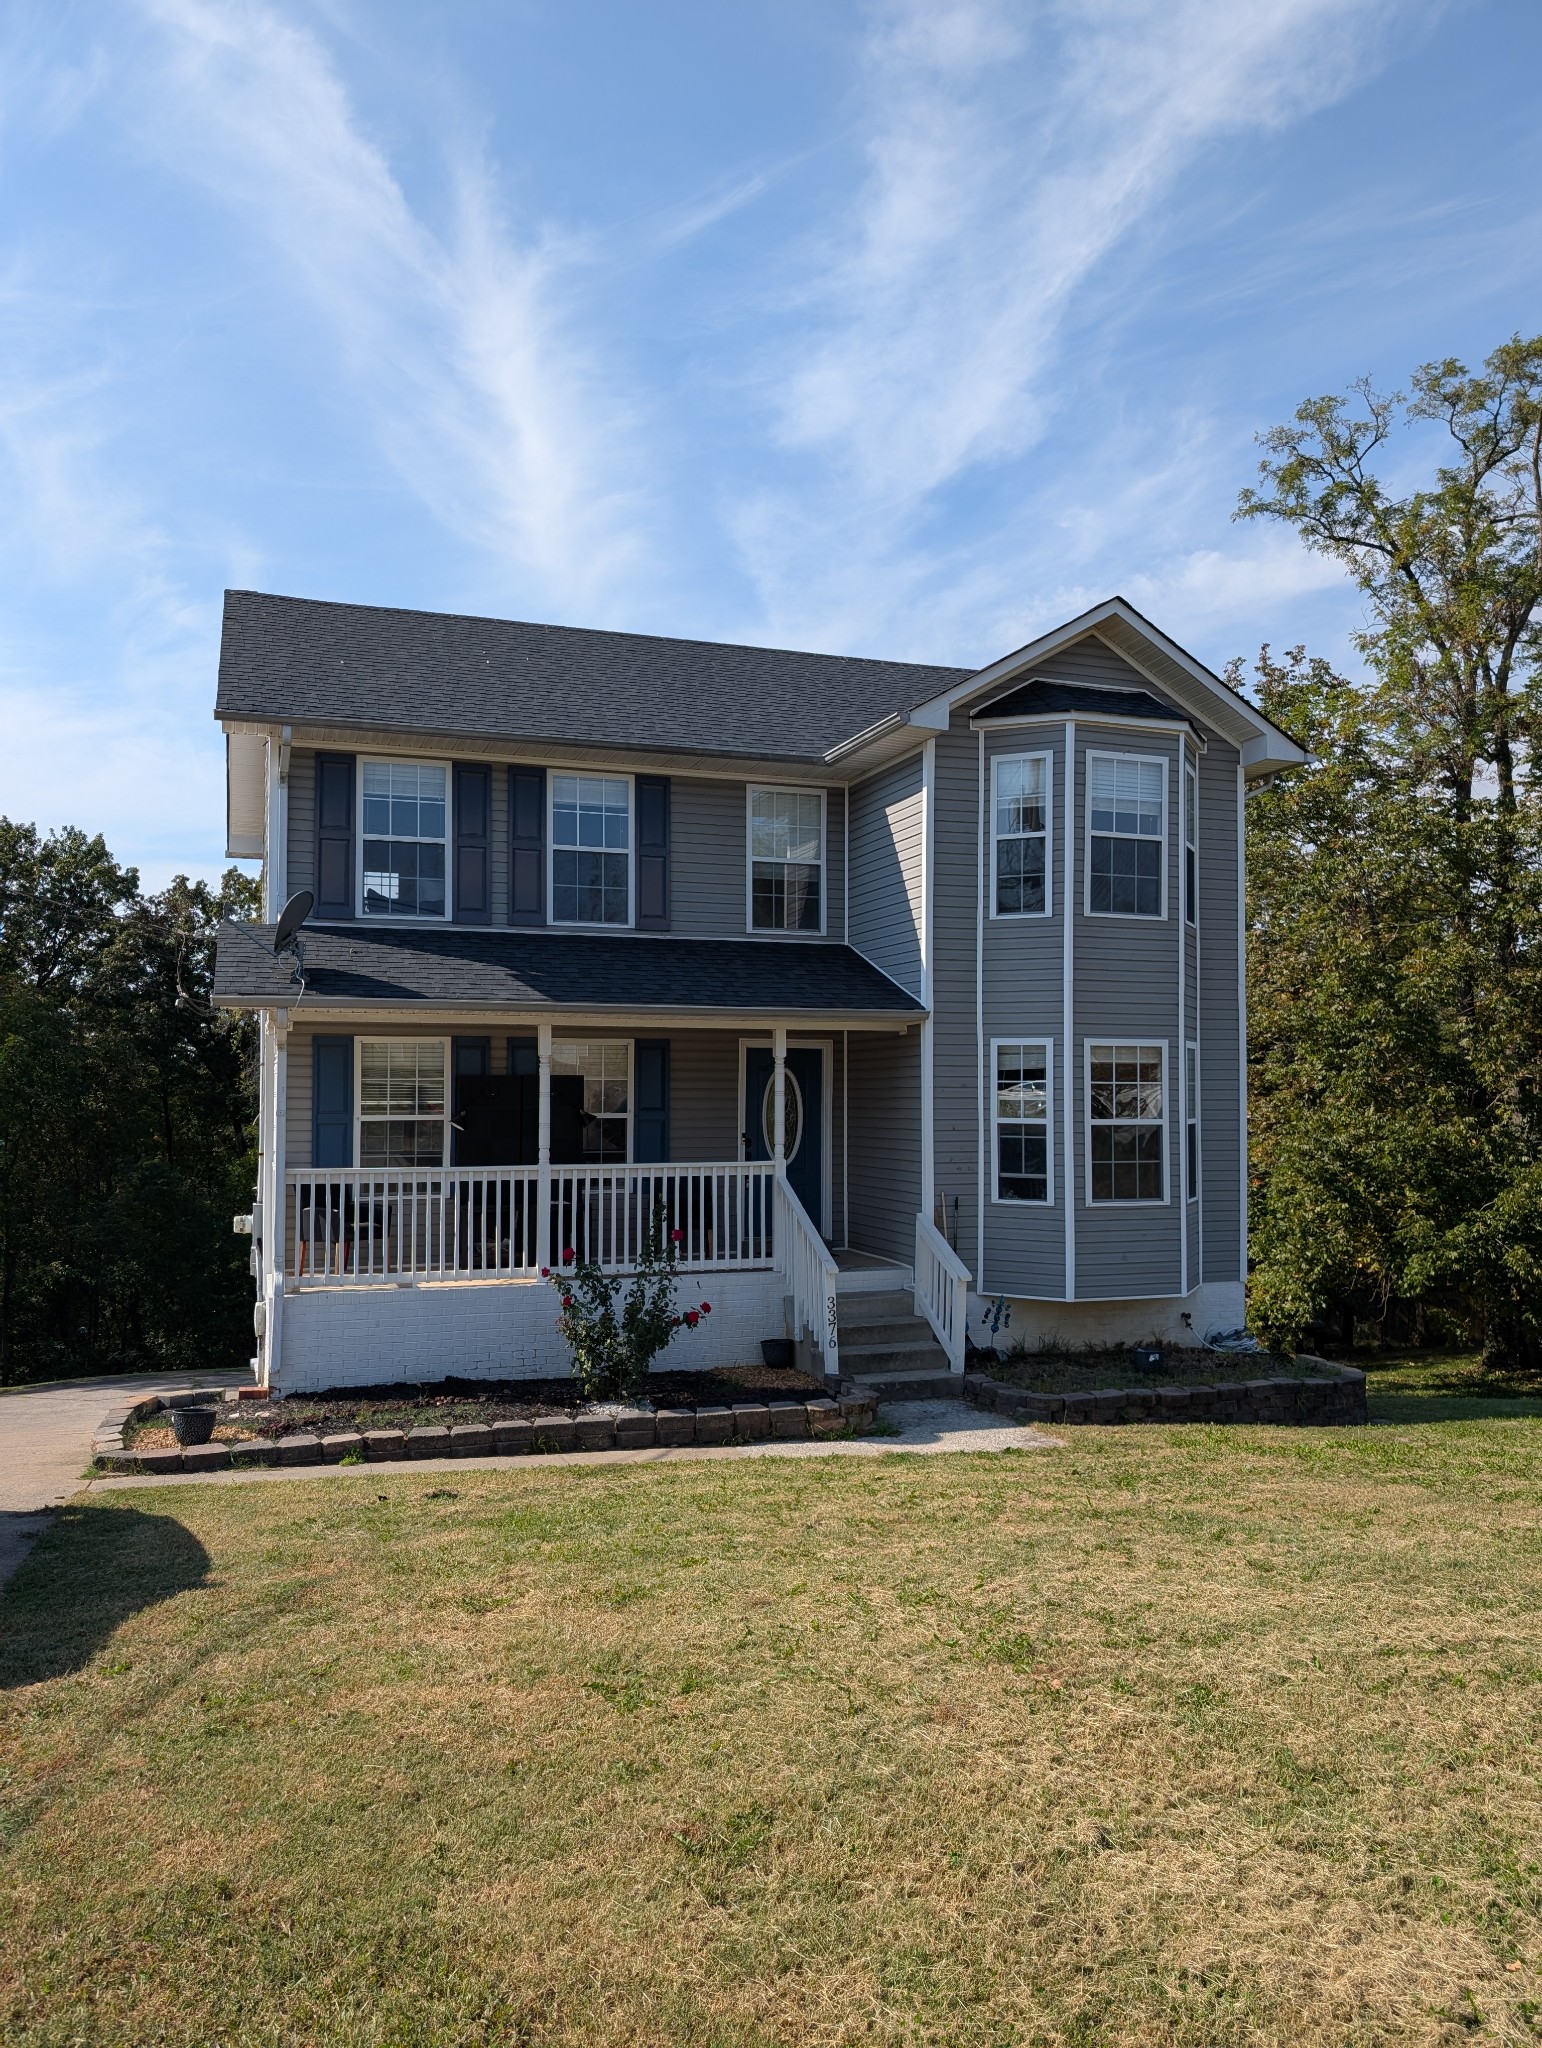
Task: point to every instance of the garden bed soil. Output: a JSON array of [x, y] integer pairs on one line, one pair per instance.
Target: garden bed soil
[[449, 1403], [1090, 1372]]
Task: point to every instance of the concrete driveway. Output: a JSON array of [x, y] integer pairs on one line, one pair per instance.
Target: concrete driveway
[[45, 1444]]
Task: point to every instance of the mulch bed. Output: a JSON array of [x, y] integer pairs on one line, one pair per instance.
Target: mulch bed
[[1089, 1372], [447, 1403]]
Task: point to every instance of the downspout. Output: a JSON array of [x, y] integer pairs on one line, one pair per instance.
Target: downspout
[[928, 881], [981, 1127]]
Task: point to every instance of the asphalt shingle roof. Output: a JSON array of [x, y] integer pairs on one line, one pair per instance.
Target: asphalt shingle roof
[[456, 968], [1070, 698], [304, 661]]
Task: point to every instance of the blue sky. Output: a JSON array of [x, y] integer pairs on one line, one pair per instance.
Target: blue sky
[[905, 329]]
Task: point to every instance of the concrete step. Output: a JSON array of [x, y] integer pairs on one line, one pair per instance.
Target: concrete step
[[908, 1386], [855, 1310], [868, 1361], [893, 1330]]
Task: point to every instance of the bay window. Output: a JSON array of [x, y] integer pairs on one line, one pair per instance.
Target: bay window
[[1020, 836], [1126, 804], [1126, 1124], [1021, 1099]]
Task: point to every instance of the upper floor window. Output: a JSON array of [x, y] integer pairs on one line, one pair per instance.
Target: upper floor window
[[404, 839], [1126, 1124], [787, 860], [401, 1102], [1190, 843], [1126, 826], [1020, 836], [1022, 1121], [591, 849]]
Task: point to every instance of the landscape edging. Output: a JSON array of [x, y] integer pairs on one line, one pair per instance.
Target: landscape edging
[[1326, 1403], [626, 1429]]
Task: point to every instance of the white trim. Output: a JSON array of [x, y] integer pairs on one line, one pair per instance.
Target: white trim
[[1020, 1201], [825, 1047], [361, 1039], [979, 1028], [845, 864], [1162, 761], [564, 924], [752, 930], [1182, 949], [1026, 721], [1191, 1109], [845, 1138], [1278, 750], [1242, 1019], [996, 761], [1068, 1006], [271, 903], [1139, 1040], [360, 762], [1189, 783], [928, 897]]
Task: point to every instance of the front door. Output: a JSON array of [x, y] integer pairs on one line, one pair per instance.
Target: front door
[[805, 1119]]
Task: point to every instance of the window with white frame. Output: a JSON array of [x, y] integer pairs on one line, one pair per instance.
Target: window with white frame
[[1126, 805], [1190, 842], [591, 849], [787, 860], [1022, 1120], [1125, 1120], [404, 815], [591, 1098], [401, 1102], [1191, 1135], [1020, 835]]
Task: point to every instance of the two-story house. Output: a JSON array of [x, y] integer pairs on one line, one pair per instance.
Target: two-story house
[[868, 978]]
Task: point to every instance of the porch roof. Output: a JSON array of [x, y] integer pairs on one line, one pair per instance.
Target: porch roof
[[454, 968]]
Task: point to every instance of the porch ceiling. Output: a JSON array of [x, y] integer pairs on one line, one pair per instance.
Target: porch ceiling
[[456, 969]]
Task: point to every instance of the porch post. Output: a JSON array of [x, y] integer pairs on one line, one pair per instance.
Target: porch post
[[779, 1097], [544, 1253]]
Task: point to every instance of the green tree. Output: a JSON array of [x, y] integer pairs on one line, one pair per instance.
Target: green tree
[[125, 1117], [1396, 883]]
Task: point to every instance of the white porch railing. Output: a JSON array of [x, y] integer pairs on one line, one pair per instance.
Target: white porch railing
[[942, 1289], [359, 1226], [805, 1263]]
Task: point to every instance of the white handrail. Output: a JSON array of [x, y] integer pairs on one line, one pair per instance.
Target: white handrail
[[804, 1261], [357, 1225], [942, 1290]]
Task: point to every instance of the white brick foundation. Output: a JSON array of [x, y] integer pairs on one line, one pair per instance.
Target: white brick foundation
[[490, 1329]]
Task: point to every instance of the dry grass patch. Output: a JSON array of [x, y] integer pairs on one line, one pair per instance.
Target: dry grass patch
[[1173, 1736]]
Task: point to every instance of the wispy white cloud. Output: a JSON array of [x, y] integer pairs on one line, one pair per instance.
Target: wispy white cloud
[[1009, 154], [459, 345]]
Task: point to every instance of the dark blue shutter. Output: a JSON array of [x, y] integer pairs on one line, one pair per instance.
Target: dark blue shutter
[[653, 853], [334, 835], [527, 846], [469, 1057], [473, 828], [650, 1110], [331, 1102]]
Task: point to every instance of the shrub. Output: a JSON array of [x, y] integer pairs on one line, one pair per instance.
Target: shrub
[[614, 1339]]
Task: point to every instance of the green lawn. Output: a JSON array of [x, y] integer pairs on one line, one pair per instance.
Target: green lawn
[[1168, 1736]]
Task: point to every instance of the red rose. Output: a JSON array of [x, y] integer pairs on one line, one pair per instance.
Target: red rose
[[546, 1272], [567, 1301], [676, 1236], [569, 1256], [706, 1308], [691, 1319]]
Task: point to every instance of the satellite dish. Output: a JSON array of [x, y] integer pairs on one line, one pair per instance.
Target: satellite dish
[[290, 919]]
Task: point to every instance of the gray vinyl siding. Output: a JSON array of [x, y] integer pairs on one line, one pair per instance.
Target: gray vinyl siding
[[885, 1170], [1220, 1034], [302, 820], [888, 870]]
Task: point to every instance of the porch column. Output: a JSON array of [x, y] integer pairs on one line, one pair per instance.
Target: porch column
[[779, 1097], [543, 1233]]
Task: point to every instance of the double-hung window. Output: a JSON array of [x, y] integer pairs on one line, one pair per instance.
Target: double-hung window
[[591, 849], [1126, 806], [1190, 842], [1020, 836], [787, 860], [404, 839], [1126, 1122], [591, 1097], [401, 1102], [1022, 1120], [1191, 1135]]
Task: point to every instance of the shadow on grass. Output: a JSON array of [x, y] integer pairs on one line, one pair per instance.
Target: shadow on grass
[[1446, 1387], [91, 1572]]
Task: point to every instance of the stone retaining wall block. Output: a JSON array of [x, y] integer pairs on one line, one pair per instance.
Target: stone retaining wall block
[[595, 1432], [471, 1440], [335, 1448], [675, 1426], [512, 1439], [381, 1445], [636, 1430], [788, 1418], [206, 1458], [555, 1433], [714, 1425], [752, 1421], [824, 1417]]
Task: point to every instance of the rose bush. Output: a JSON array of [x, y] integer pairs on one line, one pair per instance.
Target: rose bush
[[614, 1338]]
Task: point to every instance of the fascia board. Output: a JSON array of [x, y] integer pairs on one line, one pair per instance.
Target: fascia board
[[388, 1011]]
